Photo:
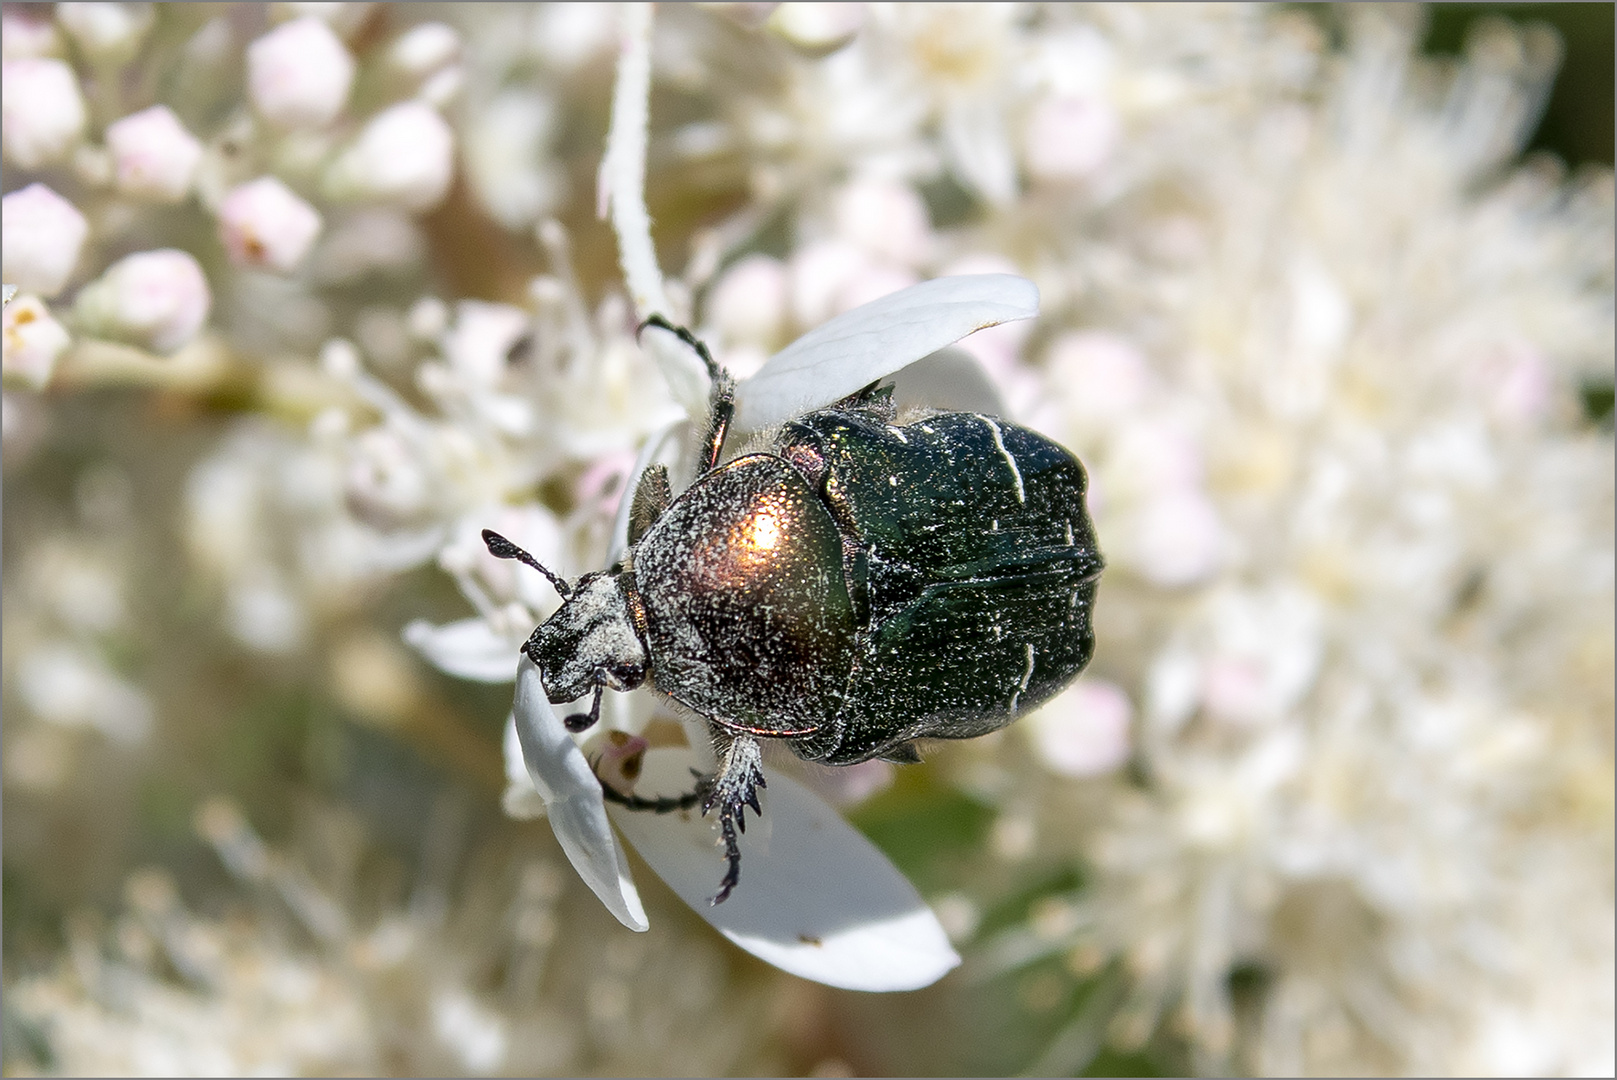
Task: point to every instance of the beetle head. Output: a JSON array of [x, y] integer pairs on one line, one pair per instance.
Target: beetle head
[[591, 639]]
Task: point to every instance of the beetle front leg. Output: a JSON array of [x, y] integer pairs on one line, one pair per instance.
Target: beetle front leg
[[734, 789]]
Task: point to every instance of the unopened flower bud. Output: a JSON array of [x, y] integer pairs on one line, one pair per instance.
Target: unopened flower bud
[[24, 33], [299, 74], [108, 34], [40, 237], [817, 29], [749, 302], [155, 299], [263, 224], [886, 218], [153, 155], [41, 109], [405, 155], [423, 50], [1084, 731], [33, 341]]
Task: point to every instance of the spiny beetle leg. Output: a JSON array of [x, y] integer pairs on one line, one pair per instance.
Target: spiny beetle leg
[[662, 804]]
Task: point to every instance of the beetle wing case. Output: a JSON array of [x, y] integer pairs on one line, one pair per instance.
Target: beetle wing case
[[975, 560], [748, 617]]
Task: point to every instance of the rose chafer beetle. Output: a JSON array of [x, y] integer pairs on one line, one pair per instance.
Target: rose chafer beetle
[[859, 581]]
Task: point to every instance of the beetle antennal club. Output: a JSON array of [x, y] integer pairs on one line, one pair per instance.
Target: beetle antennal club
[[501, 548]]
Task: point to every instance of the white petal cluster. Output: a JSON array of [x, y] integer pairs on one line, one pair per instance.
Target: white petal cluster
[[1333, 796]]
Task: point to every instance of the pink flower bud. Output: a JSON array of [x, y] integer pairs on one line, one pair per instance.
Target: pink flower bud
[[1083, 732], [155, 299], [1176, 539], [25, 33], [41, 111], [749, 302], [405, 155], [33, 341], [299, 74], [40, 237], [1068, 138], [153, 155], [263, 224], [1102, 376], [886, 218]]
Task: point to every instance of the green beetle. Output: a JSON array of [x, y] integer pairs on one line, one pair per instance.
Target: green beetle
[[859, 584]]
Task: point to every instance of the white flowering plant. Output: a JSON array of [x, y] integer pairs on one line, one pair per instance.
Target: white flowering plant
[[309, 295]]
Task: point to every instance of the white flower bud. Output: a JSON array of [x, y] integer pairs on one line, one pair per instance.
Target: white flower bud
[[108, 34], [263, 224], [405, 155], [41, 111], [818, 29], [155, 299], [154, 157], [423, 50], [40, 237], [34, 341], [299, 74]]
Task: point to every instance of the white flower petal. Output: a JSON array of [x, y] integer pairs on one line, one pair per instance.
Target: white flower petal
[[573, 799], [521, 800], [857, 347], [816, 898], [467, 649]]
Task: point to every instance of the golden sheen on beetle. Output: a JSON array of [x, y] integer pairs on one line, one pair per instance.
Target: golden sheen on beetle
[[867, 580]]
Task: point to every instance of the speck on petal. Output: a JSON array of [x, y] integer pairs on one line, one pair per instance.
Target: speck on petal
[[816, 898], [838, 357], [573, 799]]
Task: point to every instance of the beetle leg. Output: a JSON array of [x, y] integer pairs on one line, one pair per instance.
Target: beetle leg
[[651, 497], [734, 789], [577, 722], [721, 399], [662, 804]]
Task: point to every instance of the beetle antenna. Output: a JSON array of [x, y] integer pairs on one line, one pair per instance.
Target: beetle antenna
[[501, 548]]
